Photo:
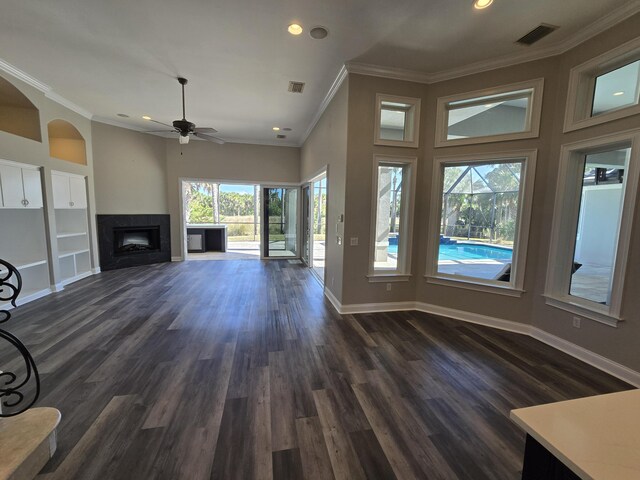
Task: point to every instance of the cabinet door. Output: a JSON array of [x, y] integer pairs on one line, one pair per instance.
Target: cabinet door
[[78, 192], [32, 188], [12, 192], [61, 192]]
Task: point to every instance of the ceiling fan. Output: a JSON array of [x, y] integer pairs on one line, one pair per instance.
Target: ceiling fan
[[185, 128]]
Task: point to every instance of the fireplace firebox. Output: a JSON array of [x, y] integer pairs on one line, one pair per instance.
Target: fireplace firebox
[[133, 240], [128, 240]]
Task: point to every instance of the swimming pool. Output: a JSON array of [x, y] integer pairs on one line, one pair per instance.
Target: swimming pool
[[468, 251]]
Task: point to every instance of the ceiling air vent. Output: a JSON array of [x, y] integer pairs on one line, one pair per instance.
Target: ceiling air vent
[[281, 136], [536, 34], [296, 87]]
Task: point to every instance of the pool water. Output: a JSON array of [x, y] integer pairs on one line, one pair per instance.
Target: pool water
[[468, 251]]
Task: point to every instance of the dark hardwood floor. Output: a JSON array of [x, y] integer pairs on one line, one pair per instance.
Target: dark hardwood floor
[[240, 369]]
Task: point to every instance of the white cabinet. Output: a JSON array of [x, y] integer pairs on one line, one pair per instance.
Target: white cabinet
[[21, 187], [70, 204], [23, 241], [69, 191]]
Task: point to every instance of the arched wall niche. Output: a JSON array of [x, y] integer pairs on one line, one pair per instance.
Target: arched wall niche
[[66, 142], [18, 115]]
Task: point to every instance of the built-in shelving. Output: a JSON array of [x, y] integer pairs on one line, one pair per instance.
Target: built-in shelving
[[23, 241], [69, 199]]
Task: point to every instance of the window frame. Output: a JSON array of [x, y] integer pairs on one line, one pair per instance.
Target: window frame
[[412, 119], [515, 287], [582, 82], [533, 115], [403, 269], [566, 210]]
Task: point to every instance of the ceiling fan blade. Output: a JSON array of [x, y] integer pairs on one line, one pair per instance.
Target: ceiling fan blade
[[160, 131], [209, 138], [206, 130]]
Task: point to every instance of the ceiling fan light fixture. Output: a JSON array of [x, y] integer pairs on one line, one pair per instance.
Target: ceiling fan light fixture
[[183, 139]]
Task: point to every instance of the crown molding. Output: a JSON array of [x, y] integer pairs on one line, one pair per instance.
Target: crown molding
[[527, 55], [6, 67], [388, 72], [59, 99], [265, 143], [24, 77], [335, 86]]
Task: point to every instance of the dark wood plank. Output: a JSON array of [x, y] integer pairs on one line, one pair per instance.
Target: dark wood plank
[[241, 369]]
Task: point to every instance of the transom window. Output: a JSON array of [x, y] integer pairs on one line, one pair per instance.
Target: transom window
[[397, 121], [504, 113], [483, 208], [604, 88], [616, 89]]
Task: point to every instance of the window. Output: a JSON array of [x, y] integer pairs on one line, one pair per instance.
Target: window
[[397, 121], [393, 187], [480, 219], [597, 185], [604, 88], [505, 113]]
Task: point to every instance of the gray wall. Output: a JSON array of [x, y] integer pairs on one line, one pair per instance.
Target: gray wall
[[326, 146], [229, 162], [618, 344], [130, 171]]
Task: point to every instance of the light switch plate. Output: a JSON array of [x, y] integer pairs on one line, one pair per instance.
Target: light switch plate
[[353, 241]]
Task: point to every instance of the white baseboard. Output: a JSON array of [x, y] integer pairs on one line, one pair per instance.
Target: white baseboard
[[75, 279], [27, 298], [378, 307], [96, 270], [334, 301], [602, 363], [177, 259], [477, 318], [598, 361]]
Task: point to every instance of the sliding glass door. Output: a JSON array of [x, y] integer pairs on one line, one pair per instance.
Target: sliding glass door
[[306, 233], [280, 226]]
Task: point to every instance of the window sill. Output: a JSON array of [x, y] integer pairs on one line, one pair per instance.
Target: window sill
[[474, 285], [584, 311], [388, 277]]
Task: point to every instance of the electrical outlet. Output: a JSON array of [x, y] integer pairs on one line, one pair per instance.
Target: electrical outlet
[[576, 322], [388, 287], [339, 240], [353, 241]]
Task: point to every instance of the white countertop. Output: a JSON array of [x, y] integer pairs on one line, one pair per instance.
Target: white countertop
[[208, 226], [596, 437]]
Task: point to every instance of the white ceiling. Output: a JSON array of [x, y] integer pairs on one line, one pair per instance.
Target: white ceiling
[[122, 56]]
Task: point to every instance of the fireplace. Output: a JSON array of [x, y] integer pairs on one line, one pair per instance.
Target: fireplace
[[133, 240], [128, 240]]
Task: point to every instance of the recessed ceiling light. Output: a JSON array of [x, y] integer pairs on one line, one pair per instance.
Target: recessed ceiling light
[[123, 115], [146, 117], [294, 29], [318, 33], [276, 129], [480, 4], [617, 94]]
